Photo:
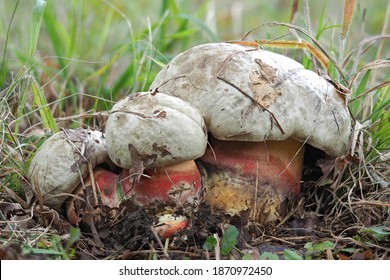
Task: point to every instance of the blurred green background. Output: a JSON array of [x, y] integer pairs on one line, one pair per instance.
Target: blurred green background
[[93, 30]]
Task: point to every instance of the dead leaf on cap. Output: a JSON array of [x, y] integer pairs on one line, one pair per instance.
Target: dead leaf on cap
[[260, 85], [140, 162], [89, 152], [267, 71], [264, 94], [163, 150], [160, 114], [144, 158], [77, 135]]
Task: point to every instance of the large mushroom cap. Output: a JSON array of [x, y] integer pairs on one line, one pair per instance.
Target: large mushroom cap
[[62, 162], [154, 129], [250, 94]]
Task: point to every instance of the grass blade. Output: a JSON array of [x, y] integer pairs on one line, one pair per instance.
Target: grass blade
[[36, 22], [182, 34], [53, 29], [202, 25], [360, 89], [44, 111], [3, 69]]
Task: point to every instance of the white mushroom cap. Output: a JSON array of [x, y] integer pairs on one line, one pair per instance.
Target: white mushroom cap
[[154, 129], [250, 94], [62, 162]]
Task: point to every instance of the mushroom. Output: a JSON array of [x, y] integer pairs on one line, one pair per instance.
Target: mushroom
[[260, 109], [169, 224], [62, 162], [155, 138], [108, 186]]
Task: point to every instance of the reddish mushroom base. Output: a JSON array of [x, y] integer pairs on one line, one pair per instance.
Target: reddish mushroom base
[[257, 178], [163, 189], [175, 184], [242, 177]]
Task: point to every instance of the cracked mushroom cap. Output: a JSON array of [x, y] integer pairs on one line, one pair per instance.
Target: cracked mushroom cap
[[249, 94], [62, 161], [154, 129]]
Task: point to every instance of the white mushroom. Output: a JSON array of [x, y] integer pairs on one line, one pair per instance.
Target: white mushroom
[[243, 92], [154, 129], [62, 162], [159, 135], [249, 95]]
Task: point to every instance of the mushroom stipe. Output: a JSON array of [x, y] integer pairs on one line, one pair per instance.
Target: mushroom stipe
[[258, 178], [177, 184]]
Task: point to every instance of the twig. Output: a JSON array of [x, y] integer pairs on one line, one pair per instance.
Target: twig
[[93, 183], [159, 242], [370, 203], [80, 116], [300, 203], [256, 191]]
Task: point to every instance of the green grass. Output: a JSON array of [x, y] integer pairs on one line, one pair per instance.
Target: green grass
[[64, 61]]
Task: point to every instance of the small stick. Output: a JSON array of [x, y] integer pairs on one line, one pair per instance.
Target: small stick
[[159, 241], [93, 183], [256, 190]]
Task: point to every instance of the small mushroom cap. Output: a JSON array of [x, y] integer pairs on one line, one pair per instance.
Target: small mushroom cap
[[62, 162], [153, 130], [169, 224], [249, 94]]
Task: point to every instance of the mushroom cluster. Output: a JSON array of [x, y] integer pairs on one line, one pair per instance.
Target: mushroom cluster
[[256, 109]]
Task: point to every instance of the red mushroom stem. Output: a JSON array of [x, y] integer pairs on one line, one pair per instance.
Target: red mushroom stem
[[258, 177], [176, 183]]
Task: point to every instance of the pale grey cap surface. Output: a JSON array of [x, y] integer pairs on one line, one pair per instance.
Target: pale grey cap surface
[[154, 129], [62, 161], [250, 94]]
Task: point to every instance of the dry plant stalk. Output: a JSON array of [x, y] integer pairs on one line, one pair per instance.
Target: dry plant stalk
[[349, 8], [288, 44]]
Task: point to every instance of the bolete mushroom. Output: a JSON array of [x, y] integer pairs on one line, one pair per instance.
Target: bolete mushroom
[[155, 138], [61, 163], [260, 109]]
